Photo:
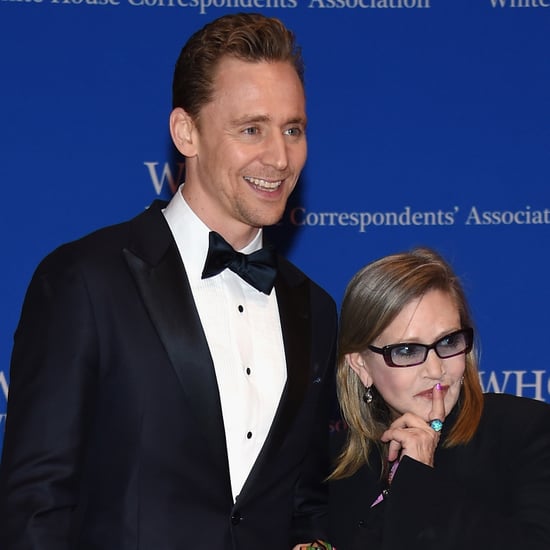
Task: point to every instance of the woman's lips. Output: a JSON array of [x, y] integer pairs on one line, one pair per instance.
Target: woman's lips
[[427, 394]]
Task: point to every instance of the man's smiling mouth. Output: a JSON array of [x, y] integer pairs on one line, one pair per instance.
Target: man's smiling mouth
[[264, 185]]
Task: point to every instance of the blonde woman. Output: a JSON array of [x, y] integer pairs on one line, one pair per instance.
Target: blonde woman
[[429, 461]]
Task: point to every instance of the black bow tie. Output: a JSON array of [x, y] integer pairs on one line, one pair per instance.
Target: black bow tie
[[258, 269]]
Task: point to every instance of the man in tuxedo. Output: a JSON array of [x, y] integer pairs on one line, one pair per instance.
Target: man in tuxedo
[[164, 394]]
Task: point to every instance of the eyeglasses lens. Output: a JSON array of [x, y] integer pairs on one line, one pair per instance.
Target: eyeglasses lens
[[411, 354], [452, 344], [407, 355]]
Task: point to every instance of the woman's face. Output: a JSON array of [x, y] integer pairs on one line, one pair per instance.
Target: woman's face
[[409, 389]]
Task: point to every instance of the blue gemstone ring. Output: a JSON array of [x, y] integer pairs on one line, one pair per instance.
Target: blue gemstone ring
[[436, 425]]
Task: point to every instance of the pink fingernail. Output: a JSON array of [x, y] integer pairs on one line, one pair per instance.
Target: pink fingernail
[[438, 386]]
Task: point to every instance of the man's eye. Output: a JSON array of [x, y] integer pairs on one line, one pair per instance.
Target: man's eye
[[295, 132], [252, 131]]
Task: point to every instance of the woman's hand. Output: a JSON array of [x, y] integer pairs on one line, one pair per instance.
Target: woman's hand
[[410, 435]]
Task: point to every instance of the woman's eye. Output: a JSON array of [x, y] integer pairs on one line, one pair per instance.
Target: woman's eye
[[405, 351], [450, 341]]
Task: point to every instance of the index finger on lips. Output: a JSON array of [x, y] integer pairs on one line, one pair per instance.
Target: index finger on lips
[[438, 403]]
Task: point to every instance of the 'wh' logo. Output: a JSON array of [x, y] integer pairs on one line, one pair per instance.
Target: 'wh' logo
[[3, 384], [166, 177]]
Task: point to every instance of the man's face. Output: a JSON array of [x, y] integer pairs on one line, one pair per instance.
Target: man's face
[[250, 146]]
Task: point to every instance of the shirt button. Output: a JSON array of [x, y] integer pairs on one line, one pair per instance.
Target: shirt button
[[248, 435], [241, 309], [247, 370]]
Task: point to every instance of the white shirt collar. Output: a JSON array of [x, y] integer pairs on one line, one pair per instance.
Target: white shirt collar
[[191, 235]]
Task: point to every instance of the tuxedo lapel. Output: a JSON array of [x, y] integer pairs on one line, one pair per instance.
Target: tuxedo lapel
[[160, 276], [293, 302]]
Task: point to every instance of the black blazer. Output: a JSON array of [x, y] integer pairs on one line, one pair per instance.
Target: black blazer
[[493, 493], [114, 436]]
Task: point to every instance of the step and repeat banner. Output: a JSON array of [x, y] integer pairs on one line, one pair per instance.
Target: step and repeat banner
[[429, 124]]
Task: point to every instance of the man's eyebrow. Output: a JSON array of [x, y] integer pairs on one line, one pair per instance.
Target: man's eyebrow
[[252, 118], [298, 120], [247, 119]]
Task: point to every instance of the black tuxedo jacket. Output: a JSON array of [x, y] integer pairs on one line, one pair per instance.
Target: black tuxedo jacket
[[493, 493], [114, 436]]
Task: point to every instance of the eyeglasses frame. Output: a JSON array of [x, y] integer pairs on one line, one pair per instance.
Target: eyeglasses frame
[[386, 351]]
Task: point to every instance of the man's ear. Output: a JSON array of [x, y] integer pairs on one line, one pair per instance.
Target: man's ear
[[357, 363], [182, 130]]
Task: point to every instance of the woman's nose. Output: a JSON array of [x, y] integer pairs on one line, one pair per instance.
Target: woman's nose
[[433, 365]]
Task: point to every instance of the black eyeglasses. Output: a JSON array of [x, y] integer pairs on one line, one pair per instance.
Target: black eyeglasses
[[411, 354]]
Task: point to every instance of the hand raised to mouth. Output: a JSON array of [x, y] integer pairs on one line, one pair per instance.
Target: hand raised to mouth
[[410, 435]]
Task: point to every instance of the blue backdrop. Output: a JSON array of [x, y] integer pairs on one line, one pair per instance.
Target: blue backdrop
[[429, 124]]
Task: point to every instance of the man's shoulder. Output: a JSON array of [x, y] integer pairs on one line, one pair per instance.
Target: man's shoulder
[[295, 276], [101, 243]]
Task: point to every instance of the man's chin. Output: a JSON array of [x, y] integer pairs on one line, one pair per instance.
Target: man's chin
[[266, 219]]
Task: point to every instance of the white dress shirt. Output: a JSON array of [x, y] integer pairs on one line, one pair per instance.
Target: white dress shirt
[[243, 331]]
